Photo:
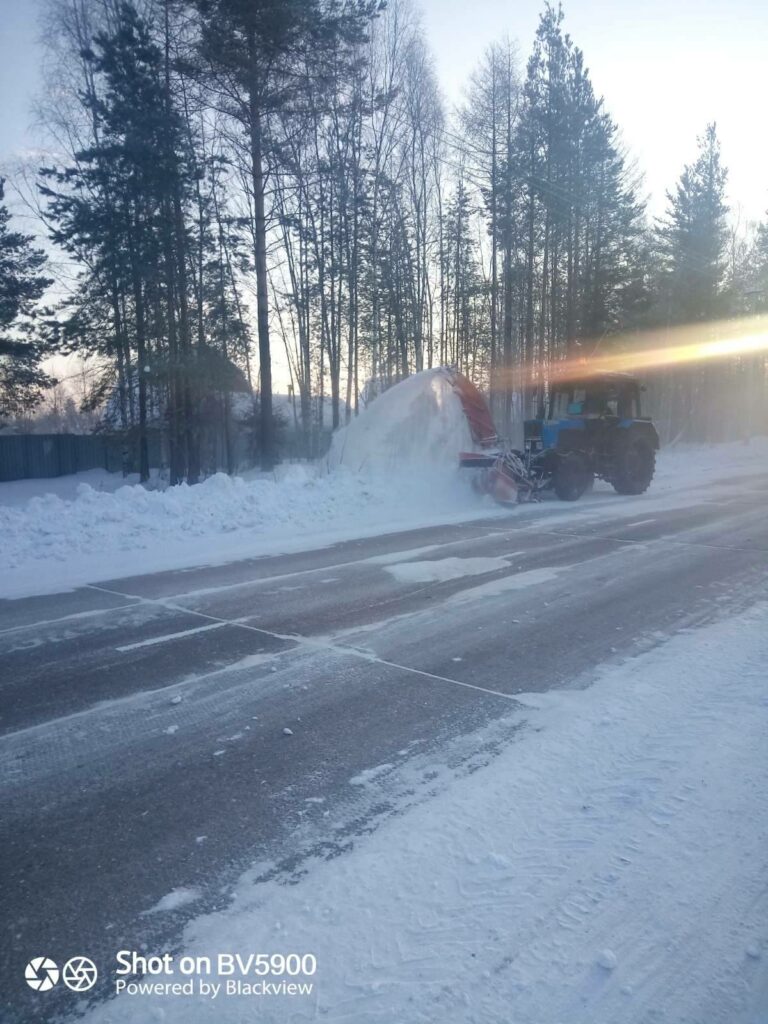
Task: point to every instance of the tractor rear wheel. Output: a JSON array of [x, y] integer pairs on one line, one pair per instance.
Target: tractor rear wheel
[[635, 466], [572, 476]]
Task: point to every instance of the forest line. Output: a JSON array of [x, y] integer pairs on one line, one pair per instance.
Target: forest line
[[232, 177]]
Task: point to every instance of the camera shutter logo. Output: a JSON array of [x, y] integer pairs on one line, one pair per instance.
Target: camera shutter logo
[[79, 974], [41, 973]]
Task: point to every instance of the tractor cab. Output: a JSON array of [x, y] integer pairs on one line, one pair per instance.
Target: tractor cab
[[586, 428], [613, 395], [585, 407]]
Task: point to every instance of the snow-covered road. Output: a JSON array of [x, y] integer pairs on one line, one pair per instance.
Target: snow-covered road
[[519, 744], [62, 533], [609, 865]]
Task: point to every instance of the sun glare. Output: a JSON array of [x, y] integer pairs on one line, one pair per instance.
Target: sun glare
[[647, 352]]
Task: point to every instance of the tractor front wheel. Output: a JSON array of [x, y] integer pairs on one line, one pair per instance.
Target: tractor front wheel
[[636, 464], [572, 476]]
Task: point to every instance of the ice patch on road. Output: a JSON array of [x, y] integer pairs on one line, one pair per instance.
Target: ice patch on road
[[365, 778], [442, 569], [506, 584]]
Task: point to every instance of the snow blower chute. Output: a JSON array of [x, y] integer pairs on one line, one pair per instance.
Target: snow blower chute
[[502, 473]]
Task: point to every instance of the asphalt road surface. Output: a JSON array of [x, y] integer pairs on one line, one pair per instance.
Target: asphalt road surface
[[142, 726]]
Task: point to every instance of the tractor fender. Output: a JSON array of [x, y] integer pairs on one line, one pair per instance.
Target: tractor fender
[[640, 429]]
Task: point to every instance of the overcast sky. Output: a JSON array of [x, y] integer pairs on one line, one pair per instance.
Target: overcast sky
[[665, 67]]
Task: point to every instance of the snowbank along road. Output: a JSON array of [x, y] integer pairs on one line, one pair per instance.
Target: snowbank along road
[[169, 740]]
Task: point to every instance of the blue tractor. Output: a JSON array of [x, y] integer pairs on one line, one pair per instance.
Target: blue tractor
[[591, 428], [586, 428]]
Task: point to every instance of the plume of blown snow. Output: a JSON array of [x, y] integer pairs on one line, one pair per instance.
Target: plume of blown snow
[[416, 427]]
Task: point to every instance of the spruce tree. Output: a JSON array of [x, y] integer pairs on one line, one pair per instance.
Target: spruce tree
[[694, 235], [693, 247], [22, 345]]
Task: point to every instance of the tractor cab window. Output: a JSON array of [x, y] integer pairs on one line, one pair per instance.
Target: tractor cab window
[[559, 405], [612, 404], [607, 400], [629, 404], [575, 402], [600, 401]]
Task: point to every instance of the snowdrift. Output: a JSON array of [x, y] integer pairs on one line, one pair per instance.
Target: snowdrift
[[395, 466]]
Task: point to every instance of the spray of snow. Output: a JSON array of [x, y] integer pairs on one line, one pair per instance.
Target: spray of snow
[[417, 426]]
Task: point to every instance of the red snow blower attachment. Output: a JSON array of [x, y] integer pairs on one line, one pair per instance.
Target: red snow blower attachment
[[476, 410], [502, 472]]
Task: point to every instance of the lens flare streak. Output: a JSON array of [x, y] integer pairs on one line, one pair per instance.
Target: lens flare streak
[[652, 351]]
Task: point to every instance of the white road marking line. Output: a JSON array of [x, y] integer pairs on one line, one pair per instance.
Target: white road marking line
[[443, 679], [89, 613], [320, 644], [170, 636]]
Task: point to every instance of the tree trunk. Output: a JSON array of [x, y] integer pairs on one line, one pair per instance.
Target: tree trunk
[[267, 441]]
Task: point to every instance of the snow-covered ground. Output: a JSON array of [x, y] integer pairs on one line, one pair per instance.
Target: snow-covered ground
[[609, 865], [52, 543], [392, 468], [71, 531]]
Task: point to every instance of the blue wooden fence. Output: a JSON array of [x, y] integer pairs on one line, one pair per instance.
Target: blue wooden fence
[[28, 456]]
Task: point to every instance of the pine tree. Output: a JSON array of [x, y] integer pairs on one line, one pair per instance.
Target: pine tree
[[577, 217], [22, 345], [693, 237], [759, 261], [120, 207], [491, 127], [693, 240], [468, 321], [255, 52]]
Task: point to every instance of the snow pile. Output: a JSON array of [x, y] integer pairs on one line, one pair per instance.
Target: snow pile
[[690, 465], [608, 865], [395, 466], [19, 492], [415, 427], [99, 534]]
